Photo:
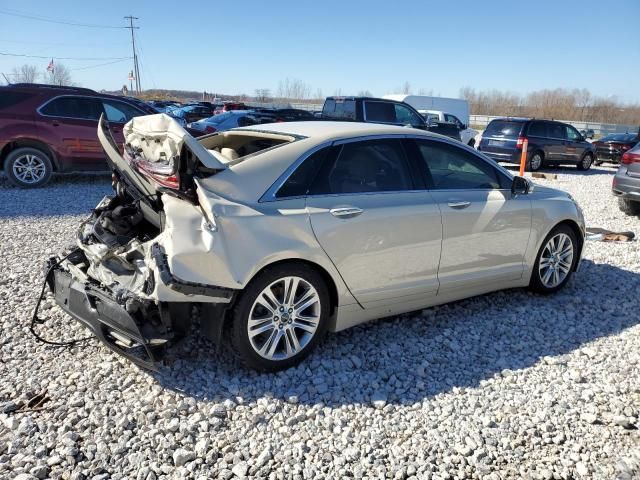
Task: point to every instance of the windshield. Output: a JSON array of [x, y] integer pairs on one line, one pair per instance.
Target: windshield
[[503, 128], [619, 137]]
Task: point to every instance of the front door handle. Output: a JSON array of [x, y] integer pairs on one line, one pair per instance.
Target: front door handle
[[459, 205], [346, 212]]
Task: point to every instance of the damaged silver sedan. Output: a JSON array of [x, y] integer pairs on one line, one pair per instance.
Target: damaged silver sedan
[[272, 235]]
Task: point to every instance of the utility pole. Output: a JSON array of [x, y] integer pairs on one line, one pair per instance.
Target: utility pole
[[136, 70]]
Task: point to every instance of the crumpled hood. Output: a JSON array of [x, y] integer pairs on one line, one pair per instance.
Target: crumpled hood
[[160, 138]]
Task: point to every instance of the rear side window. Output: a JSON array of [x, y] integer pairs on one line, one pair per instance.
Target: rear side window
[[406, 116], [361, 167], [451, 168], [538, 129], [9, 99], [503, 128], [83, 108], [297, 185]]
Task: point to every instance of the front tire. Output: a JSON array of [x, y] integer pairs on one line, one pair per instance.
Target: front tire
[[280, 317], [629, 207], [28, 167], [556, 261], [585, 163]]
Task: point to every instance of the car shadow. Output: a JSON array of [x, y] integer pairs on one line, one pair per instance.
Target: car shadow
[[412, 357], [60, 196]]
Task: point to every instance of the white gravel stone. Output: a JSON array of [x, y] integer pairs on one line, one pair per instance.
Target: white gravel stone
[[509, 385]]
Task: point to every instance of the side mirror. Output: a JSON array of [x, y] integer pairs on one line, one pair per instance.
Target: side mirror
[[520, 186]]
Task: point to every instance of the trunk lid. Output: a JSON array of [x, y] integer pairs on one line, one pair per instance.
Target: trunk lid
[[157, 150]]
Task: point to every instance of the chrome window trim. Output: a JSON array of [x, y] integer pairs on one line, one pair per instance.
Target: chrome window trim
[[48, 101], [270, 194]]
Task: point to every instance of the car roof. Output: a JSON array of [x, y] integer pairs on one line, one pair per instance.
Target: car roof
[[332, 130]]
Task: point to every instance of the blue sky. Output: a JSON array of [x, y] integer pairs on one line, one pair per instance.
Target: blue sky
[[236, 47]]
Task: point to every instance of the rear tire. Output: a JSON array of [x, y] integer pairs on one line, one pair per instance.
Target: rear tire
[[472, 143], [535, 162], [28, 167], [585, 162], [629, 207], [272, 329], [556, 260]]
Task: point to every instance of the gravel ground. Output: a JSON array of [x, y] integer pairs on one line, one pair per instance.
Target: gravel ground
[[508, 385]]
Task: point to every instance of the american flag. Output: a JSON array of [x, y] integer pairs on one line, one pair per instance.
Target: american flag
[[50, 66]]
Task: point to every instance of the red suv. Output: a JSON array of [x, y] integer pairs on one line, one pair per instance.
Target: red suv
[[47, 128]]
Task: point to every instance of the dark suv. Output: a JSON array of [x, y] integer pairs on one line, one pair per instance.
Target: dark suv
[[549, 143], [382, 110], [47, 128]]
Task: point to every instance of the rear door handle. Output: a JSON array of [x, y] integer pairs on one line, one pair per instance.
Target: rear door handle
[[459, 205], [346, 212]]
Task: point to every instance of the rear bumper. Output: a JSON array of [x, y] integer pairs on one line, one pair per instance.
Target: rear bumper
[[117, 321], [625, 186], [504, 157]]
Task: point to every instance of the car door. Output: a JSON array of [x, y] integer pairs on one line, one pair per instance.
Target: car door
[[485, 227], [376, 222], [556, 142], [575, 145], [73, 122]]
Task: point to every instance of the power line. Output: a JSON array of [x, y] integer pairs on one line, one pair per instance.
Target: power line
[[99, 65], [16, 13], [62, 58]]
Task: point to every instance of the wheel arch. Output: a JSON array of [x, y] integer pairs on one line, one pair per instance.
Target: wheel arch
[[29, 143], [573, 225]]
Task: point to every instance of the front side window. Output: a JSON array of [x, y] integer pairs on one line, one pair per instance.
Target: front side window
[[452, 168], [452, 119], [384, 112], [572, 134], [82, 108], [406, 116], [367, 166], [120, 112]]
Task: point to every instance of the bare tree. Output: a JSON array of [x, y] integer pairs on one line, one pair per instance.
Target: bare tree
[[60, 75], [25, 74], [262, 95], [318, 95], [365, 93], [293, 89], [406, 88]]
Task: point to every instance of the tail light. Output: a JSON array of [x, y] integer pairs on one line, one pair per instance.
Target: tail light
[[520, 142], [210, 129], [161, 173], [631, 157]]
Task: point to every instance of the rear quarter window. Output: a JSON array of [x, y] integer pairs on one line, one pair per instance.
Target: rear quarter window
[[503, 128], [340, 109]]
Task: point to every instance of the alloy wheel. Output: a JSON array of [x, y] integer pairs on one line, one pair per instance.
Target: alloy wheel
[[556, 260], [536, 162], [284, 318], [29, 169]]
